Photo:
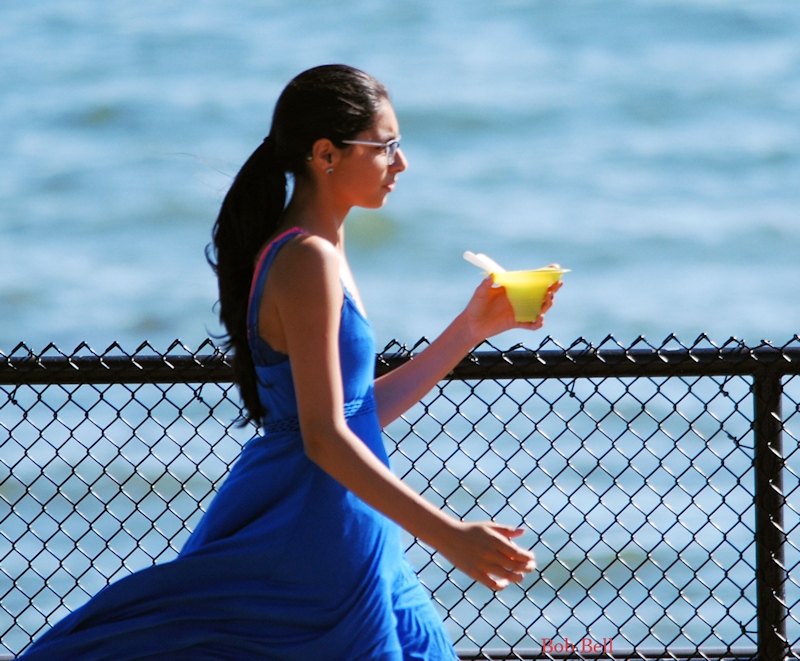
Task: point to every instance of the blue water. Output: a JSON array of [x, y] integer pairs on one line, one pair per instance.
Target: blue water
[[653, 147]]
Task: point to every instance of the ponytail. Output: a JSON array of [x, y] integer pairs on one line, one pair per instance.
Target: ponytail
[[250, 213], [332, 101]]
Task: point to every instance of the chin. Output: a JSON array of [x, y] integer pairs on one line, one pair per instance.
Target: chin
[[374, 204]]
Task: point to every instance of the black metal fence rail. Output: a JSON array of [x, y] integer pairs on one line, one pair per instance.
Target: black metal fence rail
[[660, 486]]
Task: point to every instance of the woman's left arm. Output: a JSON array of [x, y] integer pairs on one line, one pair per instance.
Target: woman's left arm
[[488, 313]]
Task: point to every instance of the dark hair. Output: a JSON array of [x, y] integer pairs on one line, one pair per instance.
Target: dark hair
[[331, 101]]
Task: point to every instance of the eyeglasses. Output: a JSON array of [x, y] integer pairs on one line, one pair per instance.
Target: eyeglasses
[[390, 147]]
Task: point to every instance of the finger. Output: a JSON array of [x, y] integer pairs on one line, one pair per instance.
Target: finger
[[506, 578], [511, 571], [496, 584], [501, 574], [512, 555], [551, 293], [519, 565], [504, 571], [492, 582], [547, 303], [507, 531], [504, 575], [530, 325], [485, 286], [524, 566]]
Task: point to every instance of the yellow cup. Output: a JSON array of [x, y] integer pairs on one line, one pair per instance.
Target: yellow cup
[[526, 289]]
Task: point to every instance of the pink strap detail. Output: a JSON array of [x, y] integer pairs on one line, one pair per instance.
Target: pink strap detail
[[266, 250], [257, 275]]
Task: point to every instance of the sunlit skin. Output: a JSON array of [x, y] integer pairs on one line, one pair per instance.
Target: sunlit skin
[[299, 315]]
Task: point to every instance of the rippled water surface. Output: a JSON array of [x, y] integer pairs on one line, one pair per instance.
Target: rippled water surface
[[652, 147]]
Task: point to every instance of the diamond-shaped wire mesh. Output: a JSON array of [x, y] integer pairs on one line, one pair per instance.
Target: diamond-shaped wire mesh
[[791, 513], [635, 486]]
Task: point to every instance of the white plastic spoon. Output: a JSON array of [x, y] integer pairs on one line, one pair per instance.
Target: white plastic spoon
[[483, 262]]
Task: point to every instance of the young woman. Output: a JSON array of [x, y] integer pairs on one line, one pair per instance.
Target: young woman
[[299, 555]]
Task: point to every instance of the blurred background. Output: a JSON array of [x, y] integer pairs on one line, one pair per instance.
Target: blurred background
[[651, 146]]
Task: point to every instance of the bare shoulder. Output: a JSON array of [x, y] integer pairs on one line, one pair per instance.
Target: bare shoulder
[[306, 261], [307, 250]]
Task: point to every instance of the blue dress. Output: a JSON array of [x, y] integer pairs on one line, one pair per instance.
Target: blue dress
[[286, 564]]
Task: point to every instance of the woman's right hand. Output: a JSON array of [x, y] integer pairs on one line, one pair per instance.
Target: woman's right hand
[[484, 552], [489, 311]]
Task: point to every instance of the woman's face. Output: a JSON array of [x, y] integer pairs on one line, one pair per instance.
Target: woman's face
[[364, 172]]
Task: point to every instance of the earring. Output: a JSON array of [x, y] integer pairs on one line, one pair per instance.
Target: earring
[[329, 171]]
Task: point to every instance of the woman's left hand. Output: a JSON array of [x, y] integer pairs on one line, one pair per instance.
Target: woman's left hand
[[489, 311]]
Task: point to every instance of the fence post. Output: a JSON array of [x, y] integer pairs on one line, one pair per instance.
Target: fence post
[[769, 500]]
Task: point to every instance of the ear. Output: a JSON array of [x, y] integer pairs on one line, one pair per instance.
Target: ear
[[324, 154]]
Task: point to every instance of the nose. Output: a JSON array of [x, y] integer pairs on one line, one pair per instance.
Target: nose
[[400, 162]]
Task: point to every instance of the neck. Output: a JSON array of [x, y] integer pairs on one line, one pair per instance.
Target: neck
[[315, 212]]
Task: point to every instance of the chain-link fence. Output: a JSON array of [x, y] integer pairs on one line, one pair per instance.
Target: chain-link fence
[[659, 485]]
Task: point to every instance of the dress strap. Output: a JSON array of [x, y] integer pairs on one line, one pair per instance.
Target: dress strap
[[260, 277]]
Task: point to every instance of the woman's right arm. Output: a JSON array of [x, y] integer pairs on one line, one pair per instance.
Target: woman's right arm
[[305, 291]]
